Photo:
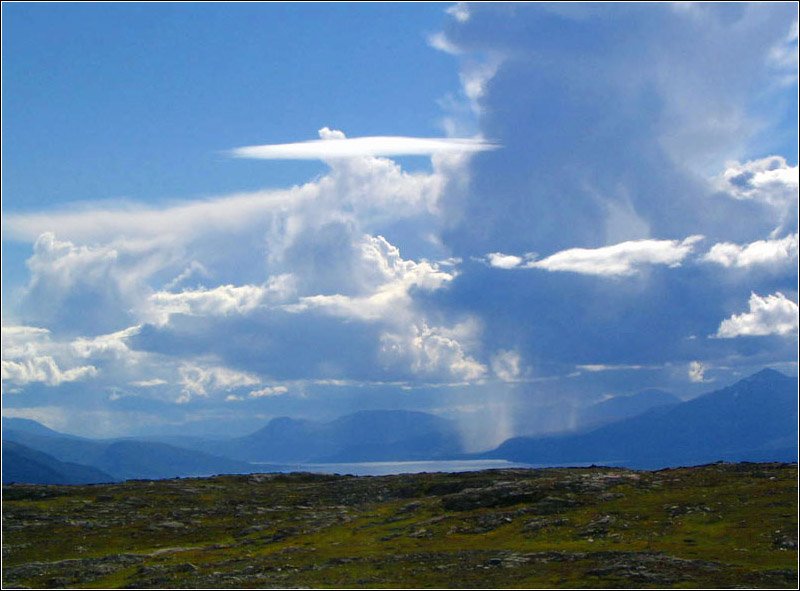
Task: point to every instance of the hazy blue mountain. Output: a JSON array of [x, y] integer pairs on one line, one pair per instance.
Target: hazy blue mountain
[[361, 436], [29, 426], [391, 435], [148, 459], [754, 419], [127, 459], [623, 407], [23, 464]]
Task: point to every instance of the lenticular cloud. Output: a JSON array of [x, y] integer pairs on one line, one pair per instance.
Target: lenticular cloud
[[334, 144]]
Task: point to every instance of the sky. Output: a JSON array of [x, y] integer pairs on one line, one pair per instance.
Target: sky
[[218, 214]]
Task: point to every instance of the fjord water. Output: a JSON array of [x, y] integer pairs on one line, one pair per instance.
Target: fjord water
[[389, 468]]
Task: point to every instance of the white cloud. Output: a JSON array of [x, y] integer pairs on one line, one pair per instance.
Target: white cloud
[[475, 77], [459, 11], [761, 252], [197, 380], [148, 383], [503, 261], [227, 213], [66, 263], [434, 351], [598, 367], [107, 345], [131, 248], [335, 145], [193, 268], [784, 54], [118, 275], [309, 247], [111, 279], [43, 369], [22, 340], [389, 279], [768, 180], [440, 41], [769, 315], [268, 391], [507, 365], [697, 372], [625, 258], [219, 301], [23, 332], [29, 356]]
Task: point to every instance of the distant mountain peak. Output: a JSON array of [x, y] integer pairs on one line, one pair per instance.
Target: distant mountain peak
[[767, 374], [754, 419], [29, 426]]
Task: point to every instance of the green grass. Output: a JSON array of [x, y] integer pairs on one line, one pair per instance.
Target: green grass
[[722, 525]]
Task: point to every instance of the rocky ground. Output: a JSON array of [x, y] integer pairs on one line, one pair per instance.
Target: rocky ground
[[722, 525]]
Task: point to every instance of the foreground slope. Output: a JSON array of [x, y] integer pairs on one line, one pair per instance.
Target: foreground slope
[[721, 525], [755, 419]]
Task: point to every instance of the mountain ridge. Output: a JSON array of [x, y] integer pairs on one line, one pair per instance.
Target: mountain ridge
[[740, 422]]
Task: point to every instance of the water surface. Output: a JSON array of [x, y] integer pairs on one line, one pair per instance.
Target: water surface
[[387, 468]]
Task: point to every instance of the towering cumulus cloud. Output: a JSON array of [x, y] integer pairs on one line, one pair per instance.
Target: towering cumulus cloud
[[624, 128]]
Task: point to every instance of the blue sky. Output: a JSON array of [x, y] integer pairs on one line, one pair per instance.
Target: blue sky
[[218, 214]]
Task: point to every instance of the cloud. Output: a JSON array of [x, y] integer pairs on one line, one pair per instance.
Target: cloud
[[227, 213], [268, 391], [784, 54], [769, 180], [434, 351], [507, 365], [126, 261], [439, 41], [193, 268], [22, 340], [769, 315], [303, 250], [198, 380], [110, 279], [623, 259], [29, 356], [43, 369], [108, 345], [503, 261], [148, 383], [773, 253], [697, 372], [219, 301], [335, 145], [389, 279], [459, 11], [598, 367]]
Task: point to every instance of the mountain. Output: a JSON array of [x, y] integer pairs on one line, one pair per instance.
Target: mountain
[[125, 459], [755, 419], [391, 436], [23, 464], [361, 436], [623, 407], [370, 435], [29, 426]]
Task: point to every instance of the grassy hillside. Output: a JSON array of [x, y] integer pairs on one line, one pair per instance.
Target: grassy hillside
[[721, 525]]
